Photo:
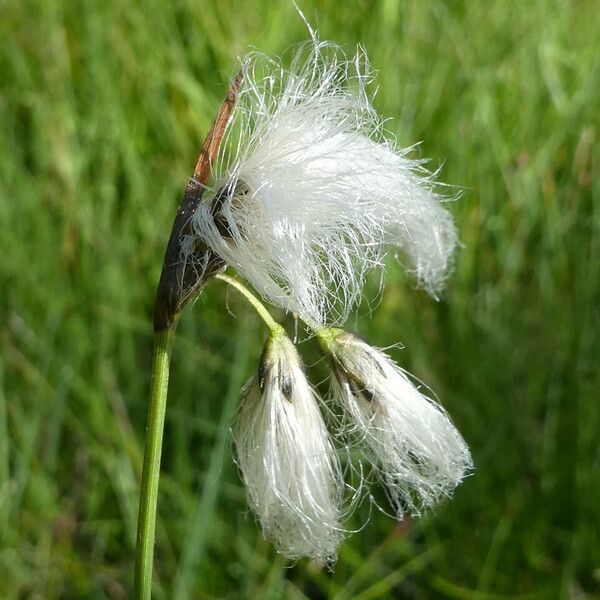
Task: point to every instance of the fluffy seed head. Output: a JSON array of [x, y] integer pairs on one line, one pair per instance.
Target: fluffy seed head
[[409, 438], [288, 464], [308, 191]]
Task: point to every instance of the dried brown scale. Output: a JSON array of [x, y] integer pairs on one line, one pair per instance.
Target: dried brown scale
[[217, 205], [285, 383], [266, 365], [180, 280]]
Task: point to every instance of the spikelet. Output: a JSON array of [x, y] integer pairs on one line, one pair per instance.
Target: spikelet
[[291, 472], [308, 193], [410, 440]]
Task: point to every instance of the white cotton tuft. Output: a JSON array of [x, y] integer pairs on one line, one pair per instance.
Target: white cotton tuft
[[308, 194], [291, 471], [410, 440]]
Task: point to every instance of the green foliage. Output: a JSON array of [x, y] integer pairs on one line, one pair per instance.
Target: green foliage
[[103, 106]]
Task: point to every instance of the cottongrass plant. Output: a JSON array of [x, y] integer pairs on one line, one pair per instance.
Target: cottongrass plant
[[300, 189]]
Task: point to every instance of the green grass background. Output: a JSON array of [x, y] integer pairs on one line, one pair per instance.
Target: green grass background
[[103, 106]]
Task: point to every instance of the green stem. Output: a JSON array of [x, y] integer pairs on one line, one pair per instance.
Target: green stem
[[163, 342], [256, 303]]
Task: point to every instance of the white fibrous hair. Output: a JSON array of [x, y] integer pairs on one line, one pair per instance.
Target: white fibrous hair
[[292, 474], [309, 192], [410, 440]]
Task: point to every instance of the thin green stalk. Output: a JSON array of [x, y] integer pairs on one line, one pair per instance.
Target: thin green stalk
[[163, 343], [256, 303]]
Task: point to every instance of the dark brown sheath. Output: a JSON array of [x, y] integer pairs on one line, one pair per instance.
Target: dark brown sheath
[[181, 281]]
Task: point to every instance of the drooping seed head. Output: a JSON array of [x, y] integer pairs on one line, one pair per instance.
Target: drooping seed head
[[286, 459], [409, 438]]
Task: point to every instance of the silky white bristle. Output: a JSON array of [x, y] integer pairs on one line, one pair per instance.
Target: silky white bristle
[[410, 440], [291, 471], [308, 193]]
